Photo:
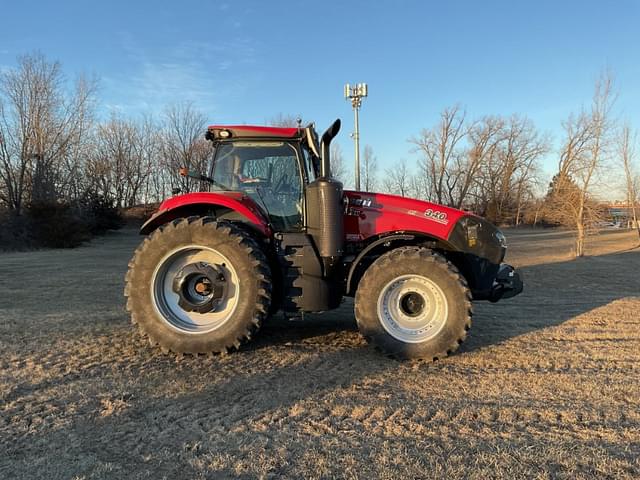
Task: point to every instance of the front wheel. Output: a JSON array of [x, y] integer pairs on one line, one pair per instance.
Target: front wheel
[[412, 303]]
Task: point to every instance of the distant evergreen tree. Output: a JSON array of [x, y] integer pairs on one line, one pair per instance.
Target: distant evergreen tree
[[561, 186]]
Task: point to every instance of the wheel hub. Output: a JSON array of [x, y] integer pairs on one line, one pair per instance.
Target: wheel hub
[[412, 308], [412, 304], [200, 287]]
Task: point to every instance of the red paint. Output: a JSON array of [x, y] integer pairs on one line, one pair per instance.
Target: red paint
[[237, 201], [257, 131], [386, 213], [391, 213]]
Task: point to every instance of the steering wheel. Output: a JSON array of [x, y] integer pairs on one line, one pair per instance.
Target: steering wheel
[[252, 182]]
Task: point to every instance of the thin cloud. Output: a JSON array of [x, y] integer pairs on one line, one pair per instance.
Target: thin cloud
[[185, 71]]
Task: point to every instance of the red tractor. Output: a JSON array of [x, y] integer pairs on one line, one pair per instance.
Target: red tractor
[[275, 232]]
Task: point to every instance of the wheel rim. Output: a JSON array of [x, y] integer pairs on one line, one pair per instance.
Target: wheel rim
[[169, 298], [412, 308]]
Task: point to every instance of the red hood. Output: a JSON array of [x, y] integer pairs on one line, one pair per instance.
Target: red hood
[[370, 214]]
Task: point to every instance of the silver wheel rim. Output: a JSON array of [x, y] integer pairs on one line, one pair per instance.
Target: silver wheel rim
[[165, 299], [412, 308]]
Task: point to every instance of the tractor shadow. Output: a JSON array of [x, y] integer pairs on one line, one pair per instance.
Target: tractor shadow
[[335, 328], [555, 293]]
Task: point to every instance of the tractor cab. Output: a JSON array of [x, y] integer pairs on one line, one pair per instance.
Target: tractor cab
[[269, 165]]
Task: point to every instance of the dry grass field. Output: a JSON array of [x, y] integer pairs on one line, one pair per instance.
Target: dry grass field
[[547, 385]]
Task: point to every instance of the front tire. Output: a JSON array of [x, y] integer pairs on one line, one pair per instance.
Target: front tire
[[198, 286], [412, 303]]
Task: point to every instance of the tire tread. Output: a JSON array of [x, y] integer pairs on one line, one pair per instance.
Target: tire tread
[[240, 237], [411, 255]]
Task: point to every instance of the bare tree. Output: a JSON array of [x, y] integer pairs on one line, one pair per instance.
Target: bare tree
[[159, 181], [627, 154], [510, 174], [184, 144], [339, 167], [581, 158], [369, 169], [40, 127], [398, 179], [453, 156], [439, 147], [113, 159], [526, 187], [485, 138], [120, 167]]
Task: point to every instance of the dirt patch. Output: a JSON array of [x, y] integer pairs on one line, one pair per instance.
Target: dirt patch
[[545, 387]]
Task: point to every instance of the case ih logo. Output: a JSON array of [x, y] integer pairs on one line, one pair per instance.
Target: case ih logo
[[436, 216], [360, 202]]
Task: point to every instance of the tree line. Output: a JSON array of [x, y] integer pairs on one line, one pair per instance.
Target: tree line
[[492, 166], [55, 152], [52, 149]]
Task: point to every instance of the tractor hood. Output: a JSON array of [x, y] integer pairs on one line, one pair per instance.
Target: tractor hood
[[370, 215]]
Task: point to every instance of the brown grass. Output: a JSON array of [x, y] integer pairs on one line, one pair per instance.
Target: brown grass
[[546, 386]]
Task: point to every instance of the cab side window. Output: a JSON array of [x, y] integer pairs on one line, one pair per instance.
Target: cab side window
[[269, 173]]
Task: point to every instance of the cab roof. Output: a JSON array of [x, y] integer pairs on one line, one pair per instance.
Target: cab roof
[[253, 131]]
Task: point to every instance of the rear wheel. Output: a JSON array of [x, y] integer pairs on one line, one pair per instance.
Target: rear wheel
[[198, 286], [412, 303]]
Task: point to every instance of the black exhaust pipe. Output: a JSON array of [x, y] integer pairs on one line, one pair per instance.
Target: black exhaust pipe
[[325, 163], [324, 208]]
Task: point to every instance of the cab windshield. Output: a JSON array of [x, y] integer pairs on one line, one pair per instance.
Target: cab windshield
[[267, 172]]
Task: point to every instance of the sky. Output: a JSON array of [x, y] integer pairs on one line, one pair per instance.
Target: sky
[[248, 61]]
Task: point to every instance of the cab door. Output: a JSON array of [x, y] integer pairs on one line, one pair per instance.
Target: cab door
[[269, 173]]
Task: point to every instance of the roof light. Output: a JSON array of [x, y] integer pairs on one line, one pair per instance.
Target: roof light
[[225, 133]]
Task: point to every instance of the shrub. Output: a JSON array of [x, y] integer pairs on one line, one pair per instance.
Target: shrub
[[100, 213], [15, 232], [57, 225]]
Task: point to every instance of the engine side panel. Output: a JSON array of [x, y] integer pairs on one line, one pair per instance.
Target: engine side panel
[[372, 214], [471, 243]]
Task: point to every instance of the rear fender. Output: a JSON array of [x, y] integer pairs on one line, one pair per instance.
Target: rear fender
[[203, 203]]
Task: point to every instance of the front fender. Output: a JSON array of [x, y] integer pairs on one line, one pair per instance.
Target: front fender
[[196, 203]]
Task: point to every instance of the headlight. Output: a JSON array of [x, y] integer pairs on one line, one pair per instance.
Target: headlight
[[501, 238], [472, 235]]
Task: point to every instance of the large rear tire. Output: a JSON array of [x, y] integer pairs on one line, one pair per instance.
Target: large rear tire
[[413, 303], [198, 286]]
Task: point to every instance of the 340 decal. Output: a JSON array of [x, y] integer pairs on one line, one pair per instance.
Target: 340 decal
[[436, 216]]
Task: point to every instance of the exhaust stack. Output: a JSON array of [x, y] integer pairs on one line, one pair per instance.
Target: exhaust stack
[[325, 155], [324, 208]]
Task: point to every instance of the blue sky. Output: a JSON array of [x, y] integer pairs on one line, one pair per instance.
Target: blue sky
[[247, 61]]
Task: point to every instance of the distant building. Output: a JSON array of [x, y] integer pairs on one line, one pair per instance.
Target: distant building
[[621, 213]]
